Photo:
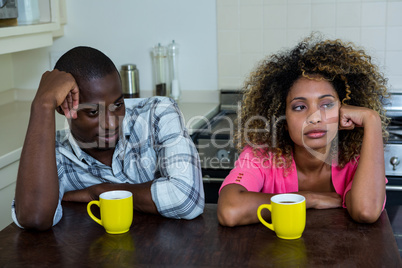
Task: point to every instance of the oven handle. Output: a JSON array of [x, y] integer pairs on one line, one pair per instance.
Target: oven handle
[[393, 188], [208, 179]]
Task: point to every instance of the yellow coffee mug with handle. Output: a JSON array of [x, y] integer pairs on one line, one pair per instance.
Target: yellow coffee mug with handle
[[288, 215], [116, 211]]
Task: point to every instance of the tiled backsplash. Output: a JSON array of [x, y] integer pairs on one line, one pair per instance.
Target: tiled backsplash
[[249, 30]]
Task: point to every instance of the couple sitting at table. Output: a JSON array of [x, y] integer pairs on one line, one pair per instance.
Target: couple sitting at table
[[143, 147]]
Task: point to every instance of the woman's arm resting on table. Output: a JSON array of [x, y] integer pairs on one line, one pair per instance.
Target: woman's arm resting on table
[[366, 198], [237, 206]]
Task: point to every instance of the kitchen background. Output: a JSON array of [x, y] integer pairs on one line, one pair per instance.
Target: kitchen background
[[220, 40], [250, 29]]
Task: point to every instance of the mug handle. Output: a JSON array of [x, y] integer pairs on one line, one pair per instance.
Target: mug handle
[[261, 207], [93, 202]]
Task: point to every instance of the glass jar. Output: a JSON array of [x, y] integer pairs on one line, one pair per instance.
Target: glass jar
[[160, 70]]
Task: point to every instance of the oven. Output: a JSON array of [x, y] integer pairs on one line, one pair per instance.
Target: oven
[[214, 142], [393, 151]]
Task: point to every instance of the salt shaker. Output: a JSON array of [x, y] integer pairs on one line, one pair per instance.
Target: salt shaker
[[173, 50], [130, 81]]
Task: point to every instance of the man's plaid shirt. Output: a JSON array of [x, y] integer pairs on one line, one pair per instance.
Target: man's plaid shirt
[[155, 147]]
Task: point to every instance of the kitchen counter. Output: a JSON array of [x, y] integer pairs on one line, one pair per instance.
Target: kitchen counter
[[197, 114], [14, 119]]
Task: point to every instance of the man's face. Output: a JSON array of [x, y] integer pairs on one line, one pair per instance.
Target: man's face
[[100, 113]]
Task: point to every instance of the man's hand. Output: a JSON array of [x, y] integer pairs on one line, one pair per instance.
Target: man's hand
[[59, 89], [87, 194]]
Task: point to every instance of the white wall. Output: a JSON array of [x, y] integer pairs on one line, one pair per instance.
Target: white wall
[[249, 30], [230, 34], [126, 31]]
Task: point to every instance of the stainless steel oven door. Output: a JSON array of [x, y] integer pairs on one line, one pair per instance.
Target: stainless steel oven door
[[394, 191], [393, 172]]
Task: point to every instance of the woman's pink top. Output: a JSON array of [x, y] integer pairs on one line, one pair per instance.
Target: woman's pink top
[[256, 176]]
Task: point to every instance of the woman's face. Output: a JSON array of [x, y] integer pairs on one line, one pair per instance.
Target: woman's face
[[312, 113]]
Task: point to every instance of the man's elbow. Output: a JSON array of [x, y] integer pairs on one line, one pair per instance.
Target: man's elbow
[[194, 214], [37, 223], [197, 210], [186, 211]]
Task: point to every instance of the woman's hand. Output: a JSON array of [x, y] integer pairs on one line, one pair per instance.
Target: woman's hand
[[322, 200], [354, 116]]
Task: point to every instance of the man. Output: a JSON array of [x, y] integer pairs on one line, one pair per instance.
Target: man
[[141, 146]]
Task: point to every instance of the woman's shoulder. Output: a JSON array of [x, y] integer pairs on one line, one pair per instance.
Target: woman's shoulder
[[345, 172]]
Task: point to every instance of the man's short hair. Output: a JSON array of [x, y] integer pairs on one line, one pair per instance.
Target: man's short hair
[[85, 63]]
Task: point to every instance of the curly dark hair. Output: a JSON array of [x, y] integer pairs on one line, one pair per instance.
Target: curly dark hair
[[349, 69]]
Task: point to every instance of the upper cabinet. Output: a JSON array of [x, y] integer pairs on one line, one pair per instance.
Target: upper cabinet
[[25, 37]]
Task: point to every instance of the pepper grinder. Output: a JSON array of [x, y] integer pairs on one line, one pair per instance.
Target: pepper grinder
[[160, 70], [173, 50]]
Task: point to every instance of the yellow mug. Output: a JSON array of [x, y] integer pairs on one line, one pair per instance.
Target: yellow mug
[[288, 215], [116, 211]]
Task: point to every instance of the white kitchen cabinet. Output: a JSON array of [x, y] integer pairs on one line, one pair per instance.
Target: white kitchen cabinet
[[25, 37], [14, 107], [8, 175], [13, 121], [14, 118]]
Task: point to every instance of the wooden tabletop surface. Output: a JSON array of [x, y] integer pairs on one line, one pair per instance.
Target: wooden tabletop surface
[[331, 239]]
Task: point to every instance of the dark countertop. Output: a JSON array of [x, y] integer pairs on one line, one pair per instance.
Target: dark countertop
[[331, 239]]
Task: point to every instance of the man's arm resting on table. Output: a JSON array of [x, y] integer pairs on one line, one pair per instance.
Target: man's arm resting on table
[[142, 198]]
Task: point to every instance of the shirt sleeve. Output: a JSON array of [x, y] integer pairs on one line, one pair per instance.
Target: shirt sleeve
[[343, 179], [178, 191], [247, 173], [349, 187], [59, 210], [259, 173]]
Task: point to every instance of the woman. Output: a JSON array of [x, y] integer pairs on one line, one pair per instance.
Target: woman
[[312, 122]]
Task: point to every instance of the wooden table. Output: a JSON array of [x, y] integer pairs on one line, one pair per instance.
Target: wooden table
[[331, 239]]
